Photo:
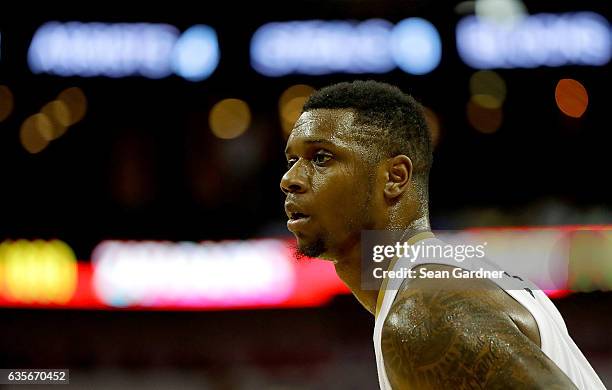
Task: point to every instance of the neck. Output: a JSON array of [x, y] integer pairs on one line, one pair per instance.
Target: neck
[[348, 266]]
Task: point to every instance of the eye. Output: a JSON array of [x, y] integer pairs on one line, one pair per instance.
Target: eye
[[320, 158], [290, 163]]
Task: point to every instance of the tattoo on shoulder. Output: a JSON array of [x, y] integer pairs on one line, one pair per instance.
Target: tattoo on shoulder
[[453, 339]]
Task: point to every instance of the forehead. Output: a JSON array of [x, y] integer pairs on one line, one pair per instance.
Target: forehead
[[333, 125]]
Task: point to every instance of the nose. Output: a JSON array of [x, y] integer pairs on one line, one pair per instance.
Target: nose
[[293, 181]]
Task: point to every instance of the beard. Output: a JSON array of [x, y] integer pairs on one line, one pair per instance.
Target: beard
[[312, 249], [328, 244]]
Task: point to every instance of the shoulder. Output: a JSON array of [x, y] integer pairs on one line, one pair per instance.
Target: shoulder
[[433, 315], [449, 334], [468, 300]]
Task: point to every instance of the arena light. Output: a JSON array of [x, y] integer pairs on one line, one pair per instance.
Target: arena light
[[58, 114], [229, 118], [540, 255], [196, 53], [37, 271], [75, 101], [245, 274], [488, 89], [6, 102], [188, 274], [433, 124], [571, 97], [315, 281], [317, 47], [123, 49], [416, 46], [290, 105], [500, 11], [35, 132], [581, 38]]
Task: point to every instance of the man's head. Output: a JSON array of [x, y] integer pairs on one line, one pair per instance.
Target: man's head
[[358, 158]]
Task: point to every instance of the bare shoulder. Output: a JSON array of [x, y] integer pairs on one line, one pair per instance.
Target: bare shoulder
[[449, 334]]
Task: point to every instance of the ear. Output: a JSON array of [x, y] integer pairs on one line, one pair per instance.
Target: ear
[[398, 175]]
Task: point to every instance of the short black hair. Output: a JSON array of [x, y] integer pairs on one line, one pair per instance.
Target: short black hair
[[392, 120]]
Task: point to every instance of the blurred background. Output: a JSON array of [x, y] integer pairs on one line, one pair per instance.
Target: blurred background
[[142, 235]]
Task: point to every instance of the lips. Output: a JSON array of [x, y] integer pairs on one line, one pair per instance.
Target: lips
[[297, 224], [297, 217]]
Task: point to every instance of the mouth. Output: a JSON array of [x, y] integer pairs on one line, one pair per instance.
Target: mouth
[[297, 221], [296, 216]]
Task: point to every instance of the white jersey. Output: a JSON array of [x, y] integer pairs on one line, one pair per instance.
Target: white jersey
[[555, 341]]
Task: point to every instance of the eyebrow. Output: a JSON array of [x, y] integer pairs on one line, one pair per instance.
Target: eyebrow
[[314, 141]]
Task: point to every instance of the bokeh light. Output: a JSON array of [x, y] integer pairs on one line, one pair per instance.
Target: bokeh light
[[500, 11], [416, 46], [229, 118], [590, 267], [37, 271], [434, 125], [530, 41], [487, 96], [58, 113], [6, 102], [75, 101], [486, 120], [290, 105], [488, 89], [572, 97], [35, 133], [195, 55]]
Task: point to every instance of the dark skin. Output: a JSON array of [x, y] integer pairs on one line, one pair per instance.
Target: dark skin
[[436, 335]]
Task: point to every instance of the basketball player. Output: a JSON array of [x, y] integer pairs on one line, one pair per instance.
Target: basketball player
[[359, 158]]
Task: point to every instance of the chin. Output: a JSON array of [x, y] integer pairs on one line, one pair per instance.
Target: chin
[[311, 247]]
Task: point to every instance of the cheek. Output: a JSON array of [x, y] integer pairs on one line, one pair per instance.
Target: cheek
[[330, 188], [342, 197]]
